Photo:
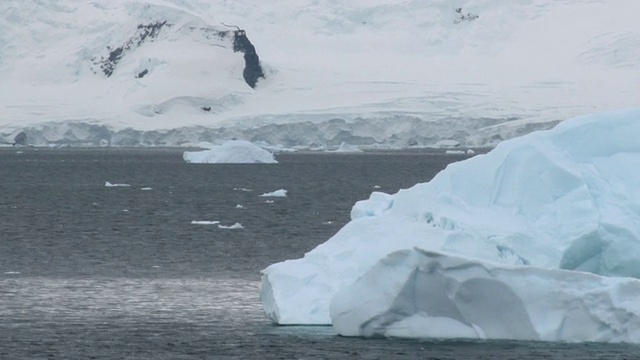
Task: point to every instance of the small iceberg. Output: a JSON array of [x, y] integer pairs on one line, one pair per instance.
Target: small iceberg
[[231, 152], [108, 184], [204, 222], [277, 193], [234, 226]]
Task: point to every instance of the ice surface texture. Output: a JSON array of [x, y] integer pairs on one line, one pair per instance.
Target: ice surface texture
[[414, 293], [566, 198]]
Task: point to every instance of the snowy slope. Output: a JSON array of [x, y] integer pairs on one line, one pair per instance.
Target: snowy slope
[[392, 73]]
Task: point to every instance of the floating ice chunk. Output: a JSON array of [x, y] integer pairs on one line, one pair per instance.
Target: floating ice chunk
[[108, 184], [239, 206], [146, 188], [234, 226], [277, 193], [242, 189], [455, 152], [12, 272], [417, 294], [234, 152], [204, 222], [269, 201]]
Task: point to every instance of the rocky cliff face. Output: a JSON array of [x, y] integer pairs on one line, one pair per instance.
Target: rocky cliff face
[[106, 63], [252, 69]]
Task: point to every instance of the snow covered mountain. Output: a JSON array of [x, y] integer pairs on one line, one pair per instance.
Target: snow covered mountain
[[310, 73]]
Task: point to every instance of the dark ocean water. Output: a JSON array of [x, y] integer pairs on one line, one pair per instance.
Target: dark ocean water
[[89, 271]]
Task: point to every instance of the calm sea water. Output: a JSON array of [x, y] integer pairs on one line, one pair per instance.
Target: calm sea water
[[89, 271]]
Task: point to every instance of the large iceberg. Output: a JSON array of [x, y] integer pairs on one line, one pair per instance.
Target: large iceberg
[[566, 198], [231, 152]]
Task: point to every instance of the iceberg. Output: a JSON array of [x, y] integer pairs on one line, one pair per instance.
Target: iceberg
[[234, 226], [416, 293], [564, 199], [108, 184], [204, 222], [231, 152], [276, 193]]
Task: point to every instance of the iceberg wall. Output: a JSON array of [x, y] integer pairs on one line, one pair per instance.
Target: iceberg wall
[[565, 198], [415, 293]]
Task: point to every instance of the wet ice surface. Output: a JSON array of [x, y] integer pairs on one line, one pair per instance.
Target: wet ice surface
[[88, 271]]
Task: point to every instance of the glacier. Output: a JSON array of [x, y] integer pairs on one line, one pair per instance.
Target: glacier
[[555, 205], [377, 74]]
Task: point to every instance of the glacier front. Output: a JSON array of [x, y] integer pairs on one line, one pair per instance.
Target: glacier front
[[377, 74], [565, 198]]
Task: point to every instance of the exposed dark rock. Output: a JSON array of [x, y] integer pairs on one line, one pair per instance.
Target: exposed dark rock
[[147, 32], [20, 139], [252, 69], [460, 17], [143, 33], [210, 33], [206, 108]]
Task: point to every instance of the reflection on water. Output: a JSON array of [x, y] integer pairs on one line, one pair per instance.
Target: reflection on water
[[224, 301]]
